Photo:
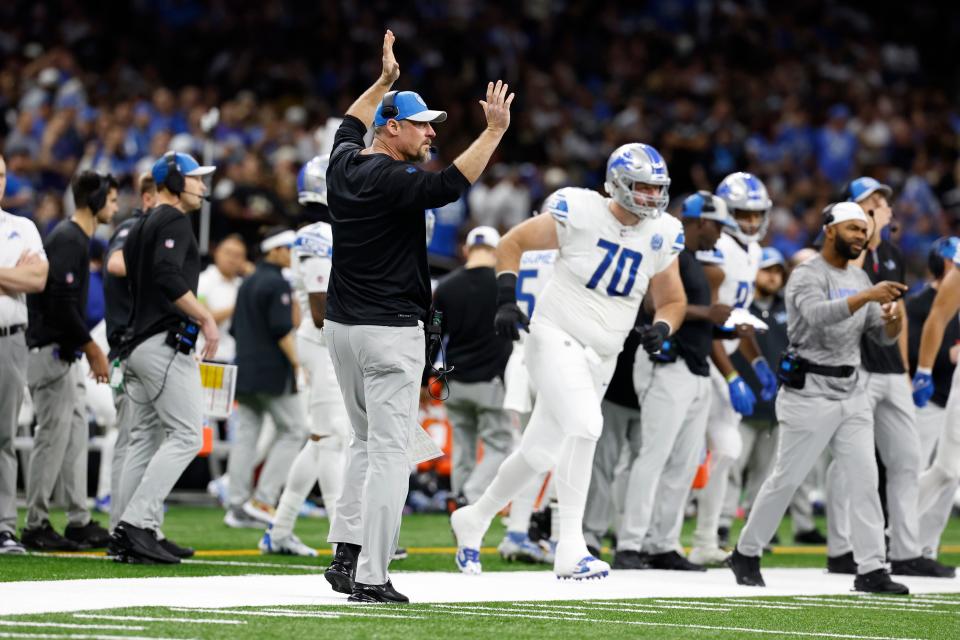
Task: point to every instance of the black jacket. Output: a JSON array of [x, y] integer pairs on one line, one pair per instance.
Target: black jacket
[[262, 316]]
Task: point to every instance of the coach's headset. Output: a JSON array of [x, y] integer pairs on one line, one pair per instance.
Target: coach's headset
[[389, 108], [174, 180], [98, 197]]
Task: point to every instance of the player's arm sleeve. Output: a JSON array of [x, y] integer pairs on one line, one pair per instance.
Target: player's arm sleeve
[[169, 253], [315, 272], [63, 292], [557, 206], [713, 256], [408, 187], [673, 234], [279, 313], [809, 293]]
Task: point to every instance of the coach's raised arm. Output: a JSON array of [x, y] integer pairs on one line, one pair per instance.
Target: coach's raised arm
[[378, 299]]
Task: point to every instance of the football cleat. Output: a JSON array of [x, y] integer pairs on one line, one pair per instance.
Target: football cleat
[[289, 545], [708, 556], [588, 568], [517, 546]]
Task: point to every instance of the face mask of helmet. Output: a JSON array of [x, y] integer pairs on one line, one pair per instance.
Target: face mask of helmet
[[639, 201]]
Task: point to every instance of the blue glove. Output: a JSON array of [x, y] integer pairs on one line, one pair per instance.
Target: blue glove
[[922, 388], [768, 381], [741, 396]]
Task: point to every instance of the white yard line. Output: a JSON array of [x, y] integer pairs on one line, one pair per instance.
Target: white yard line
[[259, 565], [776, 632], [67, 625], [104, 616], [731, 602], [586, 608], [74, 636], [512, 611], [288, 613], [711, 607], [856, 604], [925, 601]]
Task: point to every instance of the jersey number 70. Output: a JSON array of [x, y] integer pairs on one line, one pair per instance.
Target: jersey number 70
[[627, 260]]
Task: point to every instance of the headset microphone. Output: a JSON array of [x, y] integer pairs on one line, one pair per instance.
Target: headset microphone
[[199, 195]]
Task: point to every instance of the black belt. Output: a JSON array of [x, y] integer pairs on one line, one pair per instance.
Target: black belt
[[844, 371], [12, 330]]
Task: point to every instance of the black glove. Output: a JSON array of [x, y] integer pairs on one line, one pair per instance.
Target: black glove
[[652, 337], [509, 319]]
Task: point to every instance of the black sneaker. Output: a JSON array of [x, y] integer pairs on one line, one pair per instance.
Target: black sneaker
[[672, 561], [746, 569], [723, 537], [89, 536], [9, 545], [377, 594], [400, 553], [842, 564], [811, 536], [878, 582], [341, 571], [921, 566], [629, 559], [135, 545], [174, 549], [44, 538]]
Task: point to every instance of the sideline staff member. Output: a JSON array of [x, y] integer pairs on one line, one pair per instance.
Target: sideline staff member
[[830, 306], [161, 378], [57, 335], [378, 299]]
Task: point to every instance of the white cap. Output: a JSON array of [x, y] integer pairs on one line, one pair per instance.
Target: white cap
[[283, 239], [483, 235], [844, 212]]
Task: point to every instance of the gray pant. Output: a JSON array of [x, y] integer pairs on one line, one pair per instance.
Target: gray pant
[[756, 462], [13, 379], [844, 426], [621, 425], [166, 432], [379, 370], [674, 404], [897, 440], [60, 442], [291, 423], [475, 410], [123, 485]]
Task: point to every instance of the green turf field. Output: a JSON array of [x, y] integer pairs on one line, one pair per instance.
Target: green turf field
[[225, 551], [927, 617]]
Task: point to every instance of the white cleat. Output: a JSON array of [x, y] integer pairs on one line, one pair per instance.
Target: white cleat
[[708, 556], [259, 511], [469, 536], [588, 568], [287, 546], [518, 547]]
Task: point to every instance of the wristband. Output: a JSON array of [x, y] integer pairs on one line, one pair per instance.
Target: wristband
[[733, 375], [506, 288], [924, 371], [667, 324], [756, 360]]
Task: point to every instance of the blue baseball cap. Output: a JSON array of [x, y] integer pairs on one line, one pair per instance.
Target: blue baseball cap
[[947, 248], [706, 206], [772, 257], [185, 162], [861, 188], [410, 106]]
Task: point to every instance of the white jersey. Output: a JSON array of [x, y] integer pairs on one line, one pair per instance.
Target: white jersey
[[536, 269], [603, 268], [740, 268], [311, 263]]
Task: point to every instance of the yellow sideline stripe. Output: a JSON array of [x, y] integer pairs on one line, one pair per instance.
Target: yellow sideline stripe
[[421, 551]]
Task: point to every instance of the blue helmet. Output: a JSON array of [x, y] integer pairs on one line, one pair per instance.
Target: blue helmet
[[312, 181], [633, 163], [744, 191]]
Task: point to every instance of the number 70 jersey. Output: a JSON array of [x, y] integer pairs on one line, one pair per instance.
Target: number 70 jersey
[[602, 268]]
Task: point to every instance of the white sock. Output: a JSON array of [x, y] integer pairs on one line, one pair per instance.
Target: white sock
[[573, 481], [299, 482], [522, 506], [513, 473], [330, 467]]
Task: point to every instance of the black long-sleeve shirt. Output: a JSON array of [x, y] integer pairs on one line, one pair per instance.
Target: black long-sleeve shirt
[[380, 274], [468, 300], [163, 264], [886, 263], [262, 317], [57, 315], [116, 289]]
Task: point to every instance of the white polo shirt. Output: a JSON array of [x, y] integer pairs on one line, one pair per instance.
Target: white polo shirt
[[219, 292], [17, 234]]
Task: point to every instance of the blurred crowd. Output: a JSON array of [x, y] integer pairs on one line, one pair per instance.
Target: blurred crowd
[[806, 95]]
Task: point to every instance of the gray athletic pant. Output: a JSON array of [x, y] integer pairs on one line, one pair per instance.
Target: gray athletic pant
[[756, 462], [291, 423], [674, 405], [124, 484], [930, 422], [846, 427], [60, 441], [163, 387], [379, 371], [621, 425], [475, 411], [897, 440], [938, 484], [13, 379]]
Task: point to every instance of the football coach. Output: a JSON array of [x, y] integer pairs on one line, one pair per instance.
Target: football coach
[[378, 300]]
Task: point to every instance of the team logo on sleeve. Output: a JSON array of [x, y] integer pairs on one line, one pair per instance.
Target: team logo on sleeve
[[13, 235], [168, 243], [123, 233], [656, 242]]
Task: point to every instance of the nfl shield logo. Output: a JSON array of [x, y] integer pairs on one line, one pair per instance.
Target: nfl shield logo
[[168, 243], [285, 299], [69, 278], [656, 242]]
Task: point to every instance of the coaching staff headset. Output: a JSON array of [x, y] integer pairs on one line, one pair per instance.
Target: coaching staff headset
[[161, 376], [379, 296]]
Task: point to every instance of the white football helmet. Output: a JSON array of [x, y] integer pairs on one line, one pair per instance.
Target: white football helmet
[[744, 191], [312, 181], [638, 163]]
